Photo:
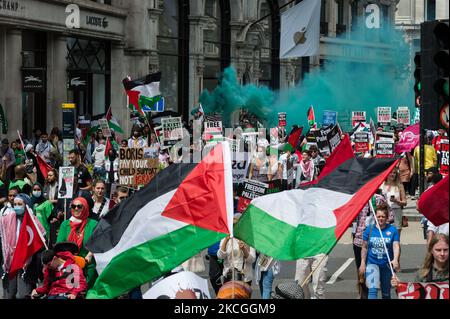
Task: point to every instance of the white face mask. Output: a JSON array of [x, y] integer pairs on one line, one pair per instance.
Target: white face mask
[[37, 194], [75, 220]]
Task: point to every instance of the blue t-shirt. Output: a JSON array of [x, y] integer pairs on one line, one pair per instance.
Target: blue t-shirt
[[375, 248]]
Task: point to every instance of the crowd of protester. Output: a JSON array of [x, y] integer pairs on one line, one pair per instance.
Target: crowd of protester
[[68, 225]]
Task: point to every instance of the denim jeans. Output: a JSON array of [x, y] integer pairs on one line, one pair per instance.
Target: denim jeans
[[265, 283], [378, 277]]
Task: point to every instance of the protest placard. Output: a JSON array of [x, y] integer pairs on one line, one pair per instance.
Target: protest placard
[[334, 138], [384, 149], [361, 140], [282, 119], [403, 115], [212, 130], [66, 182], [183, 285], [419, 290], [329, 117], [384, 115], [172, 130], [251, 190], [136, 167], [322, 140], [104, 126], [357, 117]]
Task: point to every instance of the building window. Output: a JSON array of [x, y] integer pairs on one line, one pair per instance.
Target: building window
[[173, 50], [89, 75], [340, 26], [34, 104], [270, 51], [323, 18], [216, 41]]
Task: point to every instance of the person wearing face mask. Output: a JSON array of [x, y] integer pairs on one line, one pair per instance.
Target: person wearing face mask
[[37, 195], [78, 229], [21, 285], [136, 139]]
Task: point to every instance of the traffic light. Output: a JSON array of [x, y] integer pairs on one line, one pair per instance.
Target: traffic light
[[441, 59], [434, 74], [417, 84]]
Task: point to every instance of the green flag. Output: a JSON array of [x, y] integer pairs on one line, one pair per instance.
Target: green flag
[[43, 213]]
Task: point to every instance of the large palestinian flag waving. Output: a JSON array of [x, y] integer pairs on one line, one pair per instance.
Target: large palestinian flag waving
[[143, 92], [311, 221], [184, 209]]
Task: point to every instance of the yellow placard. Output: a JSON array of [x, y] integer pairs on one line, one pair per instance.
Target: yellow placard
[[68, 105]]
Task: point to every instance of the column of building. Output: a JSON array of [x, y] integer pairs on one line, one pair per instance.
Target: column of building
[[12, 81], [56, 78]]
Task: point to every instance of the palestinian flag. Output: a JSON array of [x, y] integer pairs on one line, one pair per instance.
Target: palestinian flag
[[311, 221], [311, 117], [143, 92], [43, 166], [293, 140], [184, 209], [113, 123]]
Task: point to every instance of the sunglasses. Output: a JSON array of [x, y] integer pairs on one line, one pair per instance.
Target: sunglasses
[[76, 206], [123, 197], [12, 195]]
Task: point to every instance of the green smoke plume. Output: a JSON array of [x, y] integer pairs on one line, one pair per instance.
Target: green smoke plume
[[337, 86]]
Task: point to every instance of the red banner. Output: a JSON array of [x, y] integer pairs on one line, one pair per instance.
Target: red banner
[[417, 290]]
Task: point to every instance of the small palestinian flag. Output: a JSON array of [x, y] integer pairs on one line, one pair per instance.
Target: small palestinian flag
[[311, 221], [184, 209], [311, 117], [143, 93]]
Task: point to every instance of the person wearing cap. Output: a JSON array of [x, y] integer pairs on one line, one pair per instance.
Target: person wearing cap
[[20, 286], [287, 290], [59, 264], [44, 148], [7, 160]]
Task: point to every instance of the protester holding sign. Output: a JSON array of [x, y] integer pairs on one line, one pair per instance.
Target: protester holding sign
[[435, 266], [136, 140]]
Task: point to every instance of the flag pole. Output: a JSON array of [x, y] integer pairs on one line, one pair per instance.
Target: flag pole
[[232, 266], [23, 146], [38, 230], [313, 271], [382, 238]]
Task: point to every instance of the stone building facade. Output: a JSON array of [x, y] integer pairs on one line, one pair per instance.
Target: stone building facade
[[189, 41]]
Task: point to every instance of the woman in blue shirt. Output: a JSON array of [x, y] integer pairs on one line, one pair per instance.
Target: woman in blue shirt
[[374, 261]]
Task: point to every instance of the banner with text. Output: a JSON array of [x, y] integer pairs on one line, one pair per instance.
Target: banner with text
[[384, 115], [403, 115], [361, 140], [251, 190], [357, 117], [419, 290], [136, 166]]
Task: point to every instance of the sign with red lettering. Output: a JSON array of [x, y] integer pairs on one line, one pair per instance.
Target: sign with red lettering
[[136, 166], [282, 119], [418, 290], [358, 116], [251, 190]]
